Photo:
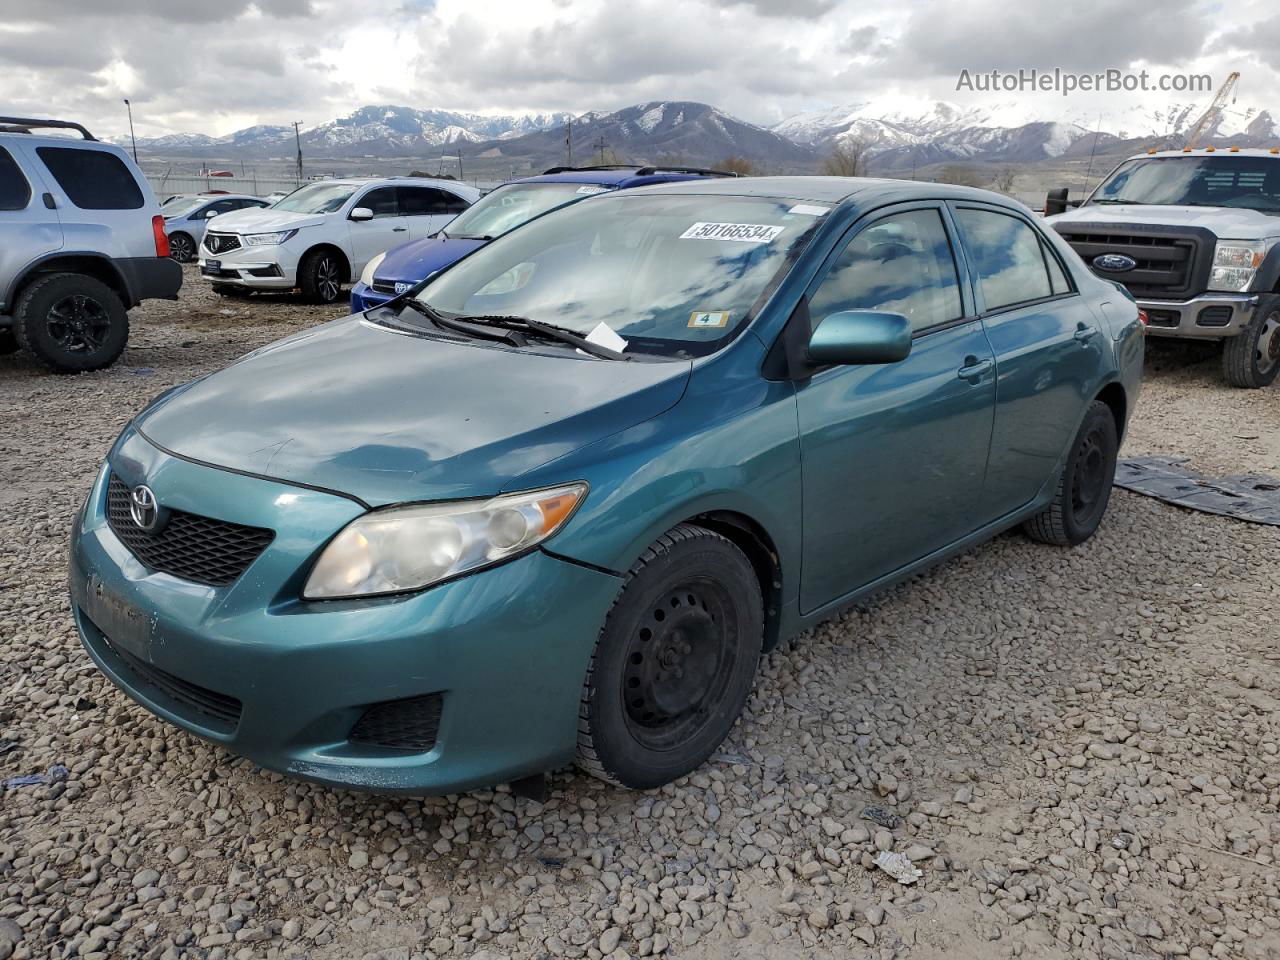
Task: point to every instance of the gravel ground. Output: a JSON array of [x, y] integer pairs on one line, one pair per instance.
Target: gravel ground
[[1078, 749]]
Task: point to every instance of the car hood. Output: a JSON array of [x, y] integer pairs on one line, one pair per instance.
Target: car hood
[[1228, 222], [389, 417], [264, 220], [418, 259]]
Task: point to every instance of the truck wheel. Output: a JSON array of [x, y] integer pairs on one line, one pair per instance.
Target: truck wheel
[[321, 276], [71, 323], [8, 342], [1084, 489], [674, 662], [1251, 359]]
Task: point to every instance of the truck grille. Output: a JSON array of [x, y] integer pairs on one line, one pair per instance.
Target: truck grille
[[221, 242], [199, 549], [1172, 263]]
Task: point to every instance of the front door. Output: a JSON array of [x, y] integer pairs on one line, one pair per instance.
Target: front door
[[28, 228], [387, 229], [893, 454]]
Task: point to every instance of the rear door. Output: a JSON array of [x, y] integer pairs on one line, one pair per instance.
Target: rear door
[[387, 229], [894, 454], [103, 206], [427, 209], [28, 228], [1047, 345]]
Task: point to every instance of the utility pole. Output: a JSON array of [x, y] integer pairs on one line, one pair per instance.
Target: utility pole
[[568, 145], [298, 139], [600, 143], [129, 107]]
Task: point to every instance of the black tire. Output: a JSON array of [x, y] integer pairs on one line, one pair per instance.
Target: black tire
[[8, 342], [321, 275], [1084, 489], [674, 662], [71, 323], [181, 247], [230, 290], [1251, 359]]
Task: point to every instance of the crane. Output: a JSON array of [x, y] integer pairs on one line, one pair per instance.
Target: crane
[[1211, 116]]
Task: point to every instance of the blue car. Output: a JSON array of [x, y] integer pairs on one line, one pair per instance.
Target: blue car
[[554, 506], [505, 208]]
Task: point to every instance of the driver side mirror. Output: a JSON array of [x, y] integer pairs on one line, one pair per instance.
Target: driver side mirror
[[361, 213], [860, 337], [210, 214], [1055, 202]]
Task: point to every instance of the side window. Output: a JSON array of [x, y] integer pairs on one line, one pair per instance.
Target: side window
[[1008, 256], [428, 201], [15, 192], [901, 264], [1057, 278], [223, 206], [92, 179], [381, 201]]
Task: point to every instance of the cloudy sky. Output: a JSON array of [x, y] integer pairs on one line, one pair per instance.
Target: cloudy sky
[[214, 66]]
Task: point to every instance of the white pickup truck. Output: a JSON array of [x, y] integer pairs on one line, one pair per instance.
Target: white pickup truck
[[1194, 235]]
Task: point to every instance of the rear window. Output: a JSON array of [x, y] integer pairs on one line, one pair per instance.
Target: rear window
[[92, 179], [15, 192]]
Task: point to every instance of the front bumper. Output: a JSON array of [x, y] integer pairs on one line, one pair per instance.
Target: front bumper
[[1211, 315], [364, 297], [257, 268], [506, 649]]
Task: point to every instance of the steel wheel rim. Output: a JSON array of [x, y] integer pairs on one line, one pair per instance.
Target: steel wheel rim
[[679, 664], [78, 324], [1088, 485], [327, 278], [1267, 351]]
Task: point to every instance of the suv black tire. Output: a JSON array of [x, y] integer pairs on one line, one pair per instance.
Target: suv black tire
[[674, 662], [71, 323], [1251, 359], [321, 275], [182, 247], [1084, 489], [8, 342]]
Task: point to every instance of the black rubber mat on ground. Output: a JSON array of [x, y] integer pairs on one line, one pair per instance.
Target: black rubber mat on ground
[[1250, 497]]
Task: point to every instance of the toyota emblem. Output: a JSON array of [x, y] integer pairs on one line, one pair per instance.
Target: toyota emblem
[[144, 508]]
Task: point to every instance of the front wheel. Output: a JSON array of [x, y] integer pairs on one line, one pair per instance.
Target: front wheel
[[321, 275], [1251, 359], [674, 662], [1084, 489], [71, 323]]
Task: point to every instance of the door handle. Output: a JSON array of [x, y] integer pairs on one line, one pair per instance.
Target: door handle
[[399, 229], [1084, 334], [974, 368]]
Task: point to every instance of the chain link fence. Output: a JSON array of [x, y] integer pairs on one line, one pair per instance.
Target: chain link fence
[[166, 185]]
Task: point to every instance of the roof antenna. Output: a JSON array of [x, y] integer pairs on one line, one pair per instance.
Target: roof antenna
[[1088, 174]]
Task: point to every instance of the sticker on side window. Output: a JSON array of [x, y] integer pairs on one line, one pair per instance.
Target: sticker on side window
[[741, 232], [701, 319]]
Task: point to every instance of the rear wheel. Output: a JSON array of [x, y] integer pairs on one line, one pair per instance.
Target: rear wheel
[[71, 323], [181, 247], [674, 663], [1084, 489], [1251, 359], [321, 276]]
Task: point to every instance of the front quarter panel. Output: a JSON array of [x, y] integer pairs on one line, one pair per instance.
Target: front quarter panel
[[730, 444]]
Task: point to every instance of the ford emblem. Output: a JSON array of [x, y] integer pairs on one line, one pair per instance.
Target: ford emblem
[[1114, 263]]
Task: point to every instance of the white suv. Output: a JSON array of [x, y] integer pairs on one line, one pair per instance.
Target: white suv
[[321, 236]]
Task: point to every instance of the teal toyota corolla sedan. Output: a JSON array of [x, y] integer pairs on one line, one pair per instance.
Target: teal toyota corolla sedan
[[554, 504]]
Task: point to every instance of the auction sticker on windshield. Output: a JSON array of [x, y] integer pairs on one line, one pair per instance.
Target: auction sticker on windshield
[[712, 318], [741, 232]]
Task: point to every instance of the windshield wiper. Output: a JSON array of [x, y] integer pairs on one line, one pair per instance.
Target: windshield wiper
[[1117, 200], [465, 236], [546, 331], [475, 330]]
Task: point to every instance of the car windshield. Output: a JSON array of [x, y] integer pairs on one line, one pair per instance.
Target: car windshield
[[316, 198], [672, 275], [1251, 183], [181, 206], [507, 207]]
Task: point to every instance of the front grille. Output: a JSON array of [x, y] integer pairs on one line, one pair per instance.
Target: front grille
[[411, 724], [199, 549], [221, 242], [202, 706], [381, 286], [1172, 263]]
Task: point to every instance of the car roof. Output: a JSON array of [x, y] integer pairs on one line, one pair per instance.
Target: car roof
[[1211, 151], [621, 175], [832, 190], [365, 181]]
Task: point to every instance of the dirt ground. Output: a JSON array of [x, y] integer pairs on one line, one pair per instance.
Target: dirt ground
[[1079, 750]]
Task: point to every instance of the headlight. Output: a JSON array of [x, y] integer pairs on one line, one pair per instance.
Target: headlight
[[366, 276], [267, 239], [408, 548], [1235, 263]]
